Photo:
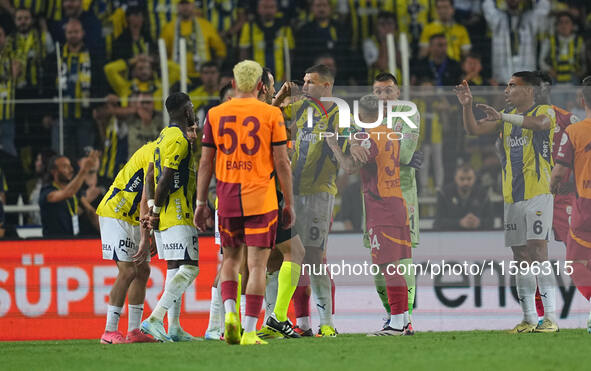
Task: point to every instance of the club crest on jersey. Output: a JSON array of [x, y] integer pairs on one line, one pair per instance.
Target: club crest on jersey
[[538, 213]]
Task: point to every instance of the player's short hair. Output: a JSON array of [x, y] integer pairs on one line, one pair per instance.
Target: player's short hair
[[386, 76], [369, 104], [247, 74], [265, 76], [587, 91], [175, 101], [464, 168], [437, 36], [208, 65], [323, 71], [224, 90], [529, 78]]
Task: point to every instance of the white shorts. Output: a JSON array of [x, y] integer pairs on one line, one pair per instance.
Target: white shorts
[[528, 220], [179, 242], [120, 239], [313, 217]]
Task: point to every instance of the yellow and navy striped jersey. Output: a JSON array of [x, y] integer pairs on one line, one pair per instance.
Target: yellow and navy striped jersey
[[122, 201], [160, 12], [53, 10], [314, 167], [266, 42], [527, 157], [566, 57], [222, 13], [115, 151], [412, 15], [363, 15], [76, 81], [37, 7], [7, 84], [32, 48], [174, 151], [201, 98]]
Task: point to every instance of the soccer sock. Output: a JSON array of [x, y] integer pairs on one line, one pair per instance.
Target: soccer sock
[[271, 293], [134, 311], [253, 306], [526, 291], [397, 298], [243, 309], [301, 302], [333, 290], [214, 310], [539, 304], [222, 309], [321, 290], [406, 318], [229, 291], [547, 284], [174, 290], [410, 278], [288, 282], [380, 284], [170, 273], [113, 314], [303, 323]]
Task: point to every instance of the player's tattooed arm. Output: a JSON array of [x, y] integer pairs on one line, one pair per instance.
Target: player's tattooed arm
[[162, 190], [473, 127]]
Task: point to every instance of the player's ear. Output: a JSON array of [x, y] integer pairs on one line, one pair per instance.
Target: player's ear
[[233, 84], [260, 85]]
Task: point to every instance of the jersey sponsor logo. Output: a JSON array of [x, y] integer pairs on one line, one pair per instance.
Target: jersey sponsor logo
[[308, 137], [126, 243], [510, 227], [517, 142], [564, 139], [173, 246], [107, 247], [586, 184], [120, 204], [178, 208]]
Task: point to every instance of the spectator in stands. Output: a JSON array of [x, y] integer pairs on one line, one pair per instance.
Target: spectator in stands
[[159, 13], [472, 71], [462, 205], [329, 61], [111, 14], [81, 80], [227, 17], [203, 42], [113, 134], [458, 41], [263, 38], [90, 195], [207, 93], [31, 45], [34, 185], [375, 49], [143, 78], [60, 207], [514, 36], [135, 38], [10, 70], [226, 92], [91, 25], [320, 36], [563, 55], [437, 66], [144, 125]]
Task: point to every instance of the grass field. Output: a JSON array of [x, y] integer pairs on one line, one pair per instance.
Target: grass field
[[477, 350]]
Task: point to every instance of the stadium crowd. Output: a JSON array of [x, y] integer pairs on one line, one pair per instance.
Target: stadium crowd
[[111, 76]]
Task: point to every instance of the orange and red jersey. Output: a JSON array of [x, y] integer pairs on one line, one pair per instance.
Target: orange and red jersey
[[384, 204], [575, 152], [243, 131]]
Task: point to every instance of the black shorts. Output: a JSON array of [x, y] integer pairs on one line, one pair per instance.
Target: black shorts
[[282, 234]]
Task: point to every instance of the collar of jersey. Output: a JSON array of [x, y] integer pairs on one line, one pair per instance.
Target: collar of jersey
[[171, 125]]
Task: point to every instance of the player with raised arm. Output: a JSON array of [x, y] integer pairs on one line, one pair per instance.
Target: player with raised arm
[[171, 214], [247, 139], [563, 201], [526, 133], [121, 237], [385, 87], [574, 155]]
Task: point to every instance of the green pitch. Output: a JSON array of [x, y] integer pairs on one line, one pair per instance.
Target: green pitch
[[478, 350]]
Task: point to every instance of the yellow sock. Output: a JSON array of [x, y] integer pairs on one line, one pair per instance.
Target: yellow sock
[[289, 275], [238, 294]]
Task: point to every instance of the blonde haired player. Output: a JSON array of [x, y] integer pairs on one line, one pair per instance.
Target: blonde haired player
[[248, 139]]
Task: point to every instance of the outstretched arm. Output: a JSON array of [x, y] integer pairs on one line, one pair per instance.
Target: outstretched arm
[[490, 125]]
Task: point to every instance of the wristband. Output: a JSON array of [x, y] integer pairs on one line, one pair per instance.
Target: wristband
[[514, 119], [201, 203], [151, 203], [156, 209]]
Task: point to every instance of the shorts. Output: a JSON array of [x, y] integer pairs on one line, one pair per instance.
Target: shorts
[[389, 243], [120, 240], [313, 217], [577, 248], [563, 208], [179, 242], [528, 220], [253, 230]]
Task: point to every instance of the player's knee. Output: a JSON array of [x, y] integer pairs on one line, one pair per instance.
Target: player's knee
[[190, 272], [127, 272], [143, 272]]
